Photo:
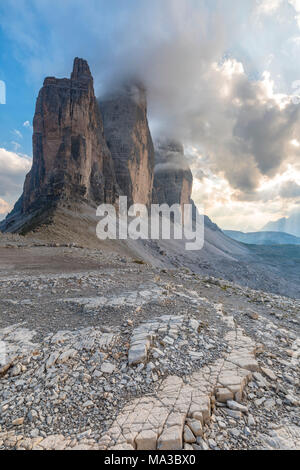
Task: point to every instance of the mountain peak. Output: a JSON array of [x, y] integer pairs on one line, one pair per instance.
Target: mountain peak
[[81, 70]]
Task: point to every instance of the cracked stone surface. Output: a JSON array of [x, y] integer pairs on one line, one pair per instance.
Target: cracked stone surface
[[132, 357], [167, 414]]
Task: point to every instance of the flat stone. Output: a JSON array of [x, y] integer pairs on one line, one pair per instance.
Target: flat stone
[[157, 353], [66, 355], [167, 341], [269, 404], [53, 443], [233, 405], [246, 363], [235, 432], [137, 354], [18, 422], [253, 315], [170, 439], [146, 440], [202, 444], [233, 414], [194, 324], [188, 435], [188, 447], [251, 420], [292, 400], [260, 380], [52, 360], [223, 395], [212, 443], [196, 427], [108, 368], [88, 404], [269, 373]]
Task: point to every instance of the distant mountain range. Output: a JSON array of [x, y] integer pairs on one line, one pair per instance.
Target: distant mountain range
[[263, 238], [289, 225]]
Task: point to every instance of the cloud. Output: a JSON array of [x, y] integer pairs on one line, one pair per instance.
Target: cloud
[[16, 145], [17, 134], [290, 189], [296, 5], [13, 168], [27, 125], [243, 127], [4, 208], [202, 63], [268, 7]]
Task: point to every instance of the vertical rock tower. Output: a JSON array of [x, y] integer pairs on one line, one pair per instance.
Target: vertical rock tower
[[70, 155], [173, 181], [71, 160], [129, 141]]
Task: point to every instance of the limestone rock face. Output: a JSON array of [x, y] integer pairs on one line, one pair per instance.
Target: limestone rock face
[[70, 156], [129, 141], [173, 180]]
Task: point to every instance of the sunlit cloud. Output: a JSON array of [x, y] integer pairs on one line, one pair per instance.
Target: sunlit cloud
[[4, 207], [13, 168]]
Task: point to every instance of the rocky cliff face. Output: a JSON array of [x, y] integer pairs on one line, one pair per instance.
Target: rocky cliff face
[[90, 151], [129, 141], [173, 180], [70, 157]]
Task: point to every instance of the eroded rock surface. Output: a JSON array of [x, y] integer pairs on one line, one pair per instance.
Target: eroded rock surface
[[129, 140], [168, 360], [173, 181], [70, 157]]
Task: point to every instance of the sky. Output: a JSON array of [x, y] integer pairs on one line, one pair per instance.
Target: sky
[[222, 76]]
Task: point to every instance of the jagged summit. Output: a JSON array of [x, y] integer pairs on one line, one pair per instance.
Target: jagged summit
[[71, 160], [81, 70], [80, 157]]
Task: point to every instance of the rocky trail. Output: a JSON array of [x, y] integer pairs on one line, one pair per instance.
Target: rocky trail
[[101, 351]]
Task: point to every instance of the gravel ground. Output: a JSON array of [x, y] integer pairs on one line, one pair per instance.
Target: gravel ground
[[75, 384]]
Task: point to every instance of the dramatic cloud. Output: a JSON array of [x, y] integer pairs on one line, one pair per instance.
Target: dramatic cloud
[[13, 168], [212, 72]]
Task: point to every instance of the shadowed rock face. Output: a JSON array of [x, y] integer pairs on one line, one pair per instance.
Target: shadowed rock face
[[70, 156], [129, 141], [173, 180]]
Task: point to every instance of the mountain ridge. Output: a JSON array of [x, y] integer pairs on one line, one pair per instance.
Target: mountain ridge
[[263, 238], [290, 225]]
